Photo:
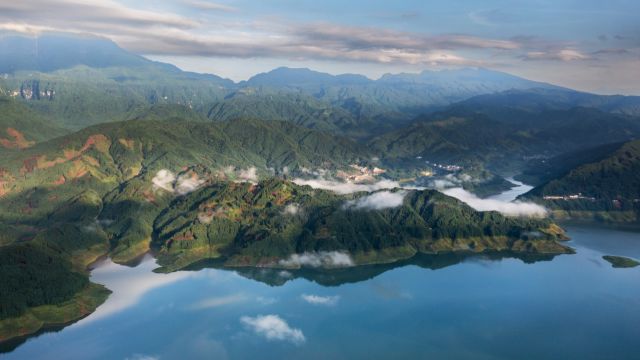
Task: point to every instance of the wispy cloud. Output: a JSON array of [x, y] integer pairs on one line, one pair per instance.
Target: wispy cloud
[[165, 33], [273, 327], [320, 300], [346, 187], [208, 5], [217, 301], [561, 55], [510, 208], [197, 29], [377, 201], [318, 259], [129, 285]]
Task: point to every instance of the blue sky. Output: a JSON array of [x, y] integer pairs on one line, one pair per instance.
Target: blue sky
[[588, 45]]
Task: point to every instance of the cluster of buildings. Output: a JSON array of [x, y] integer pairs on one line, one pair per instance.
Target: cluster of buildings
[[577, 196], [452, 168]]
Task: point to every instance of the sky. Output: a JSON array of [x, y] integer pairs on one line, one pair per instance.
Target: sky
[[589, 45]]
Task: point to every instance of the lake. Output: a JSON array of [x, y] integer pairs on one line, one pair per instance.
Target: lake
[[482, 307], [437, 307]]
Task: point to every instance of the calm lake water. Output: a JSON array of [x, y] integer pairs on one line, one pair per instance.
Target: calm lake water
[[484, 307]]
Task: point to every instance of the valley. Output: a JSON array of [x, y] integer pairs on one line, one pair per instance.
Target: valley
[[110, 161]]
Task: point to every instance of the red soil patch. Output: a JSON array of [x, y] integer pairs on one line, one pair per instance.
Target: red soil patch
[[78, 170], [61, 180], [18, 142]]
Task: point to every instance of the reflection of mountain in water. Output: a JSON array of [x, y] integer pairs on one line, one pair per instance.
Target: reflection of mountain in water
[[336, 277]]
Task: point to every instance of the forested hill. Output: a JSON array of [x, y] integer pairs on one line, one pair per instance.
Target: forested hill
[[615, 177], [607, 189]]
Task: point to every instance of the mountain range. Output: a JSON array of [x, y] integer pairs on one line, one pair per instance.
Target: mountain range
[[106, 153]]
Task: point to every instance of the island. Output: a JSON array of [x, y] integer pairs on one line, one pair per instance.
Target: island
[[621, 261]]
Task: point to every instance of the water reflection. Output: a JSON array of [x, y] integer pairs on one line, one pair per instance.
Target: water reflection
[[340, 276], [481, 308]]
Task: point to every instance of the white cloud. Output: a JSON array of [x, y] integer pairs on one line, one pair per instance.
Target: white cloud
[[214, 302], [346, 187], [182, 185], [208, 5], [188, 183], [562, 55], [248, 175], [129, 285], [515, 208], [164, 179], [377, 201], [318, 259], [273, 327], [320, 300]]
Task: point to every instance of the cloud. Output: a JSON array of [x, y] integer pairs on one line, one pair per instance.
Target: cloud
[[515, 208], [377, 201], [214, 302], [248, 175], [273, 327], [318, 259], [129, 285], [208, 5], [320, 300], [90, 13], [188, 183], [558, 55], [165, 33], [182, 185], [164, 179], [346, 187]]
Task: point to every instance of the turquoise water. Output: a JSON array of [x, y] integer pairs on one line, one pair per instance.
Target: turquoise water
[[483, 307]]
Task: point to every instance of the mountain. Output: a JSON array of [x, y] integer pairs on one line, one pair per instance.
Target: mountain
[[80, 81], [503, 138], [397, 96], [607, 189], [299, 109], [77, 81], [538, 171], [302, 78], [541, 99], [267, 223], [21, 127], [116, 167], [47, 53]]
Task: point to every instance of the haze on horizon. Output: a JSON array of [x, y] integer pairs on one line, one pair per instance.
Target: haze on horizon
[[587, 45]]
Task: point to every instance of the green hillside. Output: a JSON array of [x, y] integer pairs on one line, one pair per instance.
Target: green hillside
[[607, 190], [504, 138], [21, 127], [263, 224]]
